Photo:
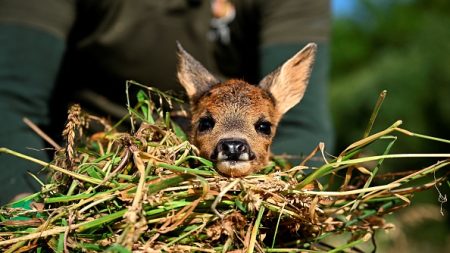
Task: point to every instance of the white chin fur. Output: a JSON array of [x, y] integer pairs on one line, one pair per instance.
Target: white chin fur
[[244, 157], [234, 165], [234, 168]]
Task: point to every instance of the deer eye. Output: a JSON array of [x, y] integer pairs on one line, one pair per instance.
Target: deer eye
[[263, 127], [205, 124]]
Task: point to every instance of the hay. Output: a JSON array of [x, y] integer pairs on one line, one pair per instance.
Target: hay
[[149, 191]]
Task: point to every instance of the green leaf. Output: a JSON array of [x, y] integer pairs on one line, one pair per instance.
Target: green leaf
[[240, 205], [178, 131], [280, 161], [117, 249], [102, 220], [206, 162], [93, 172], [142, 96], [168, 183], [60, 246]]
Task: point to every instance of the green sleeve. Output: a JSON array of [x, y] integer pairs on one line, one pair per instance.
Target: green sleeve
[[29, 60], [32, 39], [294, 21], [285, 28]]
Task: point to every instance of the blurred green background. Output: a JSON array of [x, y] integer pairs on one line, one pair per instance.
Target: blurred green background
[[403, 47]]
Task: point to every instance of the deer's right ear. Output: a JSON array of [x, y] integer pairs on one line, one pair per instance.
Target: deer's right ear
[[195, 79]]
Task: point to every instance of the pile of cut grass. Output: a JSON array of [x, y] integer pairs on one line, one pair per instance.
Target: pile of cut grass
[[147, 190]]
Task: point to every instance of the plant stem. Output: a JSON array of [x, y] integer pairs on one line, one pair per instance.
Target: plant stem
[[375, 113], [59, 169], [255, 229]]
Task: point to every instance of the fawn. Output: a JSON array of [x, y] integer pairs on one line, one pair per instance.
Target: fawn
[[233, 122]]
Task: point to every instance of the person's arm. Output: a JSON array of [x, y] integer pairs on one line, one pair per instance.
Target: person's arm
[[287, 26], [32, 39]]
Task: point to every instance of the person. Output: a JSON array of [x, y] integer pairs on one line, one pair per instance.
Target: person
[[56, 52]]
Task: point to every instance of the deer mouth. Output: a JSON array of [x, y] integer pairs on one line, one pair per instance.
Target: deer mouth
[[233, 157], [235, 165]]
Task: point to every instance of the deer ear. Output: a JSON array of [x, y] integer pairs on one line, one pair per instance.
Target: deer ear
[[288, 83], [195, 79]]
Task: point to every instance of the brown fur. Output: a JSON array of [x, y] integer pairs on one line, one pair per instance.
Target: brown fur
[[236, 106]]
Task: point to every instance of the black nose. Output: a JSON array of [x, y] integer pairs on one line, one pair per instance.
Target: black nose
[[232, 149]]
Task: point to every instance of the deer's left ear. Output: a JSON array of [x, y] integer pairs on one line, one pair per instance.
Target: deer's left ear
[[195, 79], [288, 83]]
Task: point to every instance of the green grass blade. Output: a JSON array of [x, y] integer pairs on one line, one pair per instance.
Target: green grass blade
[[102, 220], [375, 113], [187, 170], [255, 229]]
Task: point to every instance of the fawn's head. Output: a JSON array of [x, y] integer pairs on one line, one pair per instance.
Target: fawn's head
[[233, 122]]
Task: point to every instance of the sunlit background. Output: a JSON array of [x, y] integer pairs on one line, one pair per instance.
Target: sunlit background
[[402, 47]]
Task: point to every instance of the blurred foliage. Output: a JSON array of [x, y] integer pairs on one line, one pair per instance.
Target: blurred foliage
[[400, 46]]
